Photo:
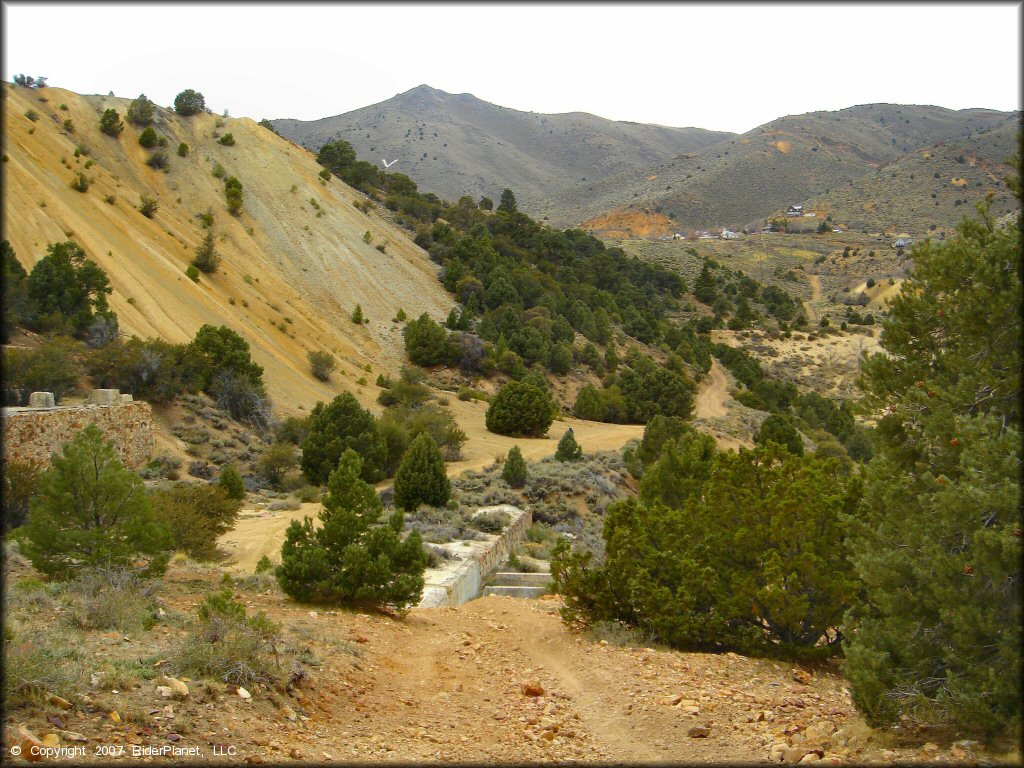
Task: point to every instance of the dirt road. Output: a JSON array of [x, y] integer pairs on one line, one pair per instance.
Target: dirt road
[[713, 395], [812, 314], [504, 680]]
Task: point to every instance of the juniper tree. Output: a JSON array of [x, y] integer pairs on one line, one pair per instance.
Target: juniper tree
[[421, 477], [351, 559], [568, 449]]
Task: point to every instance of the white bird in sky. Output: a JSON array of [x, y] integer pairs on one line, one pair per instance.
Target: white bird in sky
[[387, 164]]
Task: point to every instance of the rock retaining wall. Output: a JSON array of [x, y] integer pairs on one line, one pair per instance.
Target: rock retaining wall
[[461, 579], [31, 435]]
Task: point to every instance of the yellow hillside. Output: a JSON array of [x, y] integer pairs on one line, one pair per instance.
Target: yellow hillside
[[293, 268]]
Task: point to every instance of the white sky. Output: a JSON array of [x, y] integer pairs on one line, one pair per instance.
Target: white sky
[[719, 66]]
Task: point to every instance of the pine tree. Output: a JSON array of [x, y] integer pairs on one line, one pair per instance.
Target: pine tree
[[421, 477], [140, 111], [514, 472], [520, 408], [780, 429], [508, 202], [91, 510], [938, 540], [351, 559], [357, 315], [342, 424], [568, 449], [704, 287]]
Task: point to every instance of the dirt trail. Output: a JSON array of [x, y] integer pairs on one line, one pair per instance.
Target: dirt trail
[[812, 314], [710, 401], [504, 680]]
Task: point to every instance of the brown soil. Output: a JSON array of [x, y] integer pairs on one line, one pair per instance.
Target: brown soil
[[621, 224]]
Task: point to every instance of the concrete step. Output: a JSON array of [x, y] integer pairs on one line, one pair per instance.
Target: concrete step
[[505, 591], [517, 579]]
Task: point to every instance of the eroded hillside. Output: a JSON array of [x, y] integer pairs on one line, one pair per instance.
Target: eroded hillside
[[295, 263]]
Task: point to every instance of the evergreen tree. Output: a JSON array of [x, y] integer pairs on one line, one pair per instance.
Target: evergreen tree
[[351, 559], [357, 315], [780, 429], [514, 472], [231, 481], [332, 429], [110, 123], [66, 290], [520, 408], [426, 342], [421, 477], [189, 102], [704, 288], [233, 194], [220, 349], [508, 202], [568, 449], [589, 404], [938, 541], [207, 259], [92, 511], [140, 111]]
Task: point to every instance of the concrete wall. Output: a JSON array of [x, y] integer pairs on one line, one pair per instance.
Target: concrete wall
[[33, 434], [461, 580]]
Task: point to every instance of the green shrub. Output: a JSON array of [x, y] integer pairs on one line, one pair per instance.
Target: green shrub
[[227, 140], [148, 137], [53, 367], [780, 429], [421, 477], [183, 149], [231, 481], [157, 160], [264, 565], [233, 194], [196, 515], [228, 645], [192, 273], [80, 182], [349, 559], [275, 461], [520, 409], [219, 172], [148, 206], [730, 567], [92, 511], [357, 315], [111, 598]]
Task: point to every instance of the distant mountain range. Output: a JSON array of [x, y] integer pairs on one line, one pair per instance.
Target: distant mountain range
[[577, 169], [456, 145]]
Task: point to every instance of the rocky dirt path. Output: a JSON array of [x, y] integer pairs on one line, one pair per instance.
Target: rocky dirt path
[[812, 314]]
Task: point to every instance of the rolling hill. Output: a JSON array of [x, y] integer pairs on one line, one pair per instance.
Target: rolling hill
[[928, 190], [457, 144], [783, 162]]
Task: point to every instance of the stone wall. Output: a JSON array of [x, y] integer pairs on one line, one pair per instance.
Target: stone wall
[[33, 434], [461, 580]]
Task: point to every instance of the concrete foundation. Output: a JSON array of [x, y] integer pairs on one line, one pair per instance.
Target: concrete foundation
[[461, 579]]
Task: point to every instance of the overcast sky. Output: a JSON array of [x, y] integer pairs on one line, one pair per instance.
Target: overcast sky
[[720, 66]]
